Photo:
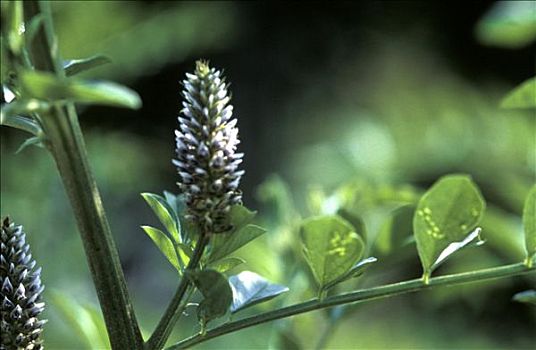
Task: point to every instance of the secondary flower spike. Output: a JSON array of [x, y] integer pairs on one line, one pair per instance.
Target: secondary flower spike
[[207, 139], [20, 292]]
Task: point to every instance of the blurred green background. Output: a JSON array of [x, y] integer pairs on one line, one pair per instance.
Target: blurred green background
[[359, 106]]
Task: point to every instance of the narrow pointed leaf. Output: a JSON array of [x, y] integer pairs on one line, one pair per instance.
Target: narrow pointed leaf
[[529, 224], [46, 86], [250, 289], [21, 123], [164, 244], [73, 67], [331, 247], [217, 294], [226, 264], [445, 214], [523, 96], [35, 140], [528, 296], [165, 214]]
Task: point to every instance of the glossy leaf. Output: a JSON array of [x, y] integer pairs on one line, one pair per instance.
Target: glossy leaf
[[473, 237], [217, 294], [226, 264], [529, 224], [164, 244], [445, 214], [46, 86], [21, 123], [73, 67], [331, 247], [523, 96], [249, 289], [165, 214], [528, 296]]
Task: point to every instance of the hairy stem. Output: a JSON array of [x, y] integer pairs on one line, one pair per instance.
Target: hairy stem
[[176, 306], [66, 143], [355, 297]]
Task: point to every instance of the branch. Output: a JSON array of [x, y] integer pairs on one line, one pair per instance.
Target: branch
[[355, 297], [66, 144]]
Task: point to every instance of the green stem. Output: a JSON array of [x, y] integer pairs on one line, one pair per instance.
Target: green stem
[[66, 144], [174, 310], [355, 297]]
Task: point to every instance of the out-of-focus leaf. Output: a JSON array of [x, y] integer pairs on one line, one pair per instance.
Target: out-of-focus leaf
[[445, 214], [35, 140], [15, 34], [22, 123], [509, 24], [331, 247], [523, 96], [396, 230], [529, 224], [86, 321], [355, 220], [356, 271], [216, 291], [528, 296], [165, 214], [224, 245], [46, 86], [164, 244], [249, 289], [23, 107], [73, 67], [226, 264]]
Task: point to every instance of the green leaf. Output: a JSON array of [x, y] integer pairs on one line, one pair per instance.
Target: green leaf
[[15, 34], [164, 244], [250, 289], [223, 245], [528, 296], [242, 232], [523, 96], [217, 294], [356, 271], [165, 214], [331, 247], [21, 123], [529, 224], [396, 230], [445, 214], [356, 221], [73, 67], [35, 140], [226, 264], [509, 24], [46, 86], [24, 107]]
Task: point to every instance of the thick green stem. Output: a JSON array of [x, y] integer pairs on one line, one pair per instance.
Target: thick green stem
[[355, 297], [66, 143], [176, 306]]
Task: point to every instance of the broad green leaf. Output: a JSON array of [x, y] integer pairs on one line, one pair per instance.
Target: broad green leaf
[[226, 264], [523, 96], [529, 224], [165, 214], [164, 244], [217, 294], [528, 296], [46, 86], [356, 271], [250, 289], [355, 220], [239, 217], [223, 244], [473, 237], [331, 247], [446, 213], [509, 24], [396, 230], [73, 67]]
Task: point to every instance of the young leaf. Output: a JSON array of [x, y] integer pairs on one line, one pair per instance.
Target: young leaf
[[216, 291], [250, 289], [73, 67], [529, 224], [46, 86], [223, 244], [164, 244], [165, 214], [226, 264], [523, 96], [331, 247], [446, 213]]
